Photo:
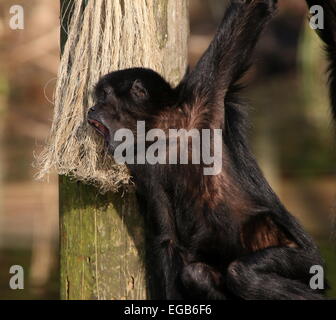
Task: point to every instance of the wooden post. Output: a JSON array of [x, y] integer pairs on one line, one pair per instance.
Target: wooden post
[[102, 245]]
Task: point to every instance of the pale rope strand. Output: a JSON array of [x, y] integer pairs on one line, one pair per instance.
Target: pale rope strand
[[101, 39]]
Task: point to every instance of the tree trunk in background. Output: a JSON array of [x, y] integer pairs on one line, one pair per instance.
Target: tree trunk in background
[[102, 243], [314, 83], [3, 108], [267, 151]]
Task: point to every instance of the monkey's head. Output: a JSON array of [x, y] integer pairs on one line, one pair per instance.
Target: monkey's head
[[123, 98]]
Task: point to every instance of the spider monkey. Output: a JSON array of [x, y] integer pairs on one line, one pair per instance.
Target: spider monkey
[[225, 236]]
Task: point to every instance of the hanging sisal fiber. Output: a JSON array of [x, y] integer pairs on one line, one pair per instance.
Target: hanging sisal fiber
[[105, 36]]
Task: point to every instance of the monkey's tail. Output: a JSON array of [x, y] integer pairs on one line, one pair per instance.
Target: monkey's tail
[[328, 36]]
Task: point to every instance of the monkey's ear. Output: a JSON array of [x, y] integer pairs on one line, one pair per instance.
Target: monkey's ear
[[138, 91]]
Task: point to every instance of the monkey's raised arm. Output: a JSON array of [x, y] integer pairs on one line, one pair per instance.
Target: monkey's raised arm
[[228, 56], [328, 36]]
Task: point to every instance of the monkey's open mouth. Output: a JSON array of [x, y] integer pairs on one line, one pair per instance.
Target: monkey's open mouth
[[101, 129]]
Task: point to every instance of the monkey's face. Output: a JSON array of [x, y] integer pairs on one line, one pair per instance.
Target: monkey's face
[[125, 97]]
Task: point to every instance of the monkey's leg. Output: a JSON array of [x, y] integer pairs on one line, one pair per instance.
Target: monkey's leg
[[201, 281], [164, 256], [277, 273]]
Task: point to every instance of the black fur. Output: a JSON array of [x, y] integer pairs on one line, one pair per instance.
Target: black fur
[[210, 237]]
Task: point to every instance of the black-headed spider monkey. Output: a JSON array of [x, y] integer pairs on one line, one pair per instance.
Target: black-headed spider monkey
[[225, 236]]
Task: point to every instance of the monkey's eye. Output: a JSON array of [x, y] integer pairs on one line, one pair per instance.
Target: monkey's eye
[[108, 96], [138, 91], [108, 91]]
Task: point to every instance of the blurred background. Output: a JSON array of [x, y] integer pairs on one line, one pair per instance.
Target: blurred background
[[291, 133]]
